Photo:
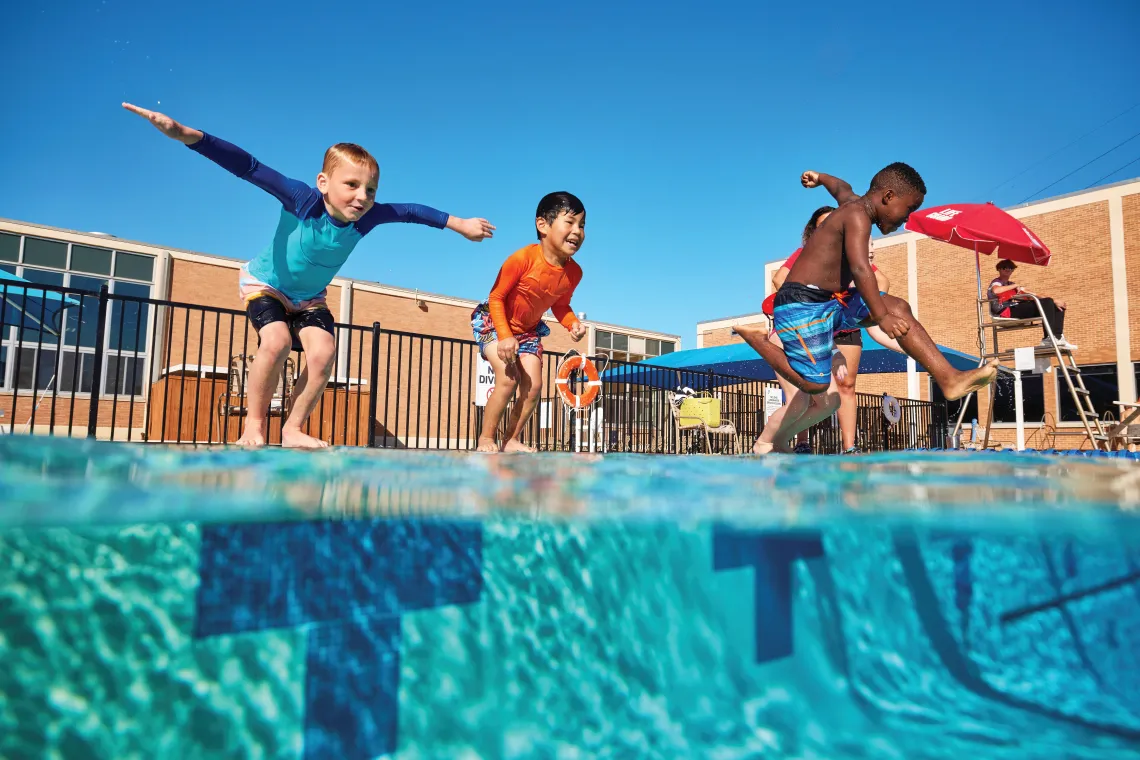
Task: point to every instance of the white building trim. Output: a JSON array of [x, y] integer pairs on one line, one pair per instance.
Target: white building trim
[[1125, 377]]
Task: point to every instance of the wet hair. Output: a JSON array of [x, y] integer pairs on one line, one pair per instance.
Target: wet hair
[[814, 221], [553, 205], [349, 153], [899, 177]]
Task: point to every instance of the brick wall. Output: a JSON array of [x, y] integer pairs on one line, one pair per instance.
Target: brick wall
[[119, 415], [1131, 205], [722, 336]]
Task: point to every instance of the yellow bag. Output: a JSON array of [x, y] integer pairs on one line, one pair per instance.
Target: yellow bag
[[696, 409]]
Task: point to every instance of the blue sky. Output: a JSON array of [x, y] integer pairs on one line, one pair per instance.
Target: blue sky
[[683, 128]]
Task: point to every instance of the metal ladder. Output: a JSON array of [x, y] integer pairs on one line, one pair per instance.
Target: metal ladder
[[1082, 399]]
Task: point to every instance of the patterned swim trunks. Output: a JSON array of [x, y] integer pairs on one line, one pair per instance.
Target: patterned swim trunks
[[807, 319], [483, 329]]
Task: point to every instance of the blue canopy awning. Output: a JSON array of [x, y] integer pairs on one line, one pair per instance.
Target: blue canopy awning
[[25, 303], [739, 362]]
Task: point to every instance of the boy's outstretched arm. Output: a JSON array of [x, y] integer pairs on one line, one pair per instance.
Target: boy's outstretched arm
[[230, 157], [856, 234], [475, 228], [167, 126], [840, 190]]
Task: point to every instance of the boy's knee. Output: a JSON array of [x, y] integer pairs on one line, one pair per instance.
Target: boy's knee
[[321, 356], [505, 382], [534, 389], [898, 307], [320, 350], [274, 340]]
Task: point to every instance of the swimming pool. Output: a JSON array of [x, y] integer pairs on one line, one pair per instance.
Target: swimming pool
[[351, 604]]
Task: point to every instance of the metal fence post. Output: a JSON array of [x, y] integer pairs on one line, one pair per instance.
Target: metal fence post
[[373, 378], [97, 370]]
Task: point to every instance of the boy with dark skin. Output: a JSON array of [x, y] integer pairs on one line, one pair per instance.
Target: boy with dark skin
[[812, 304]]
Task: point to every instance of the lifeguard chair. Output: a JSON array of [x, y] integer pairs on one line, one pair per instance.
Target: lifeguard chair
[[985, 228]]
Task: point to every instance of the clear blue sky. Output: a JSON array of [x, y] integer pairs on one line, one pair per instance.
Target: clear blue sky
[[684, 127]]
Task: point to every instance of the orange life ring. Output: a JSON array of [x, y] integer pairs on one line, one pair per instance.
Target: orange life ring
[[593, 384]]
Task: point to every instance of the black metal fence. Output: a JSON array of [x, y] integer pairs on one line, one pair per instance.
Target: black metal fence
[[127, 368]]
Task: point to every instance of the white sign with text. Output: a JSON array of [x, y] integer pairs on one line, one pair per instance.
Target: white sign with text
[[484, 380]]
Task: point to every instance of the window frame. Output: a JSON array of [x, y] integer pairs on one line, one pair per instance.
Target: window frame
[[9, 337]]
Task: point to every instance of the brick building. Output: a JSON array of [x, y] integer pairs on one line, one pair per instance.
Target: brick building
[[145, 347], [1094, 237]]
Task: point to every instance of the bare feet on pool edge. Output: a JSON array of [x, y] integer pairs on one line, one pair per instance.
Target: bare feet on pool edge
[[253, 435], [762, 447], [968, 382], [295, 439], [487, 446], [514, 446]]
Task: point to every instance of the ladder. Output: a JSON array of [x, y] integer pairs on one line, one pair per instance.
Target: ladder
[[1100, 438]]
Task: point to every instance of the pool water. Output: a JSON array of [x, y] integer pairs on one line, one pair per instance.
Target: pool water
[[207, 603]]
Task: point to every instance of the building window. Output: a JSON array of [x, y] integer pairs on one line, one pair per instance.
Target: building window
[[1100, 380], [954, 407], [62, 356], [1032, 398], [630, 348]]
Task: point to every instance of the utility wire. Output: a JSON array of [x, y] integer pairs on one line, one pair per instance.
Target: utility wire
[[1059, 150], [1082, 166], [1114, 171]]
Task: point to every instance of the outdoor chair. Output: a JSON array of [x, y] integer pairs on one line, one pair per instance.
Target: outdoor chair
[[704, 430]]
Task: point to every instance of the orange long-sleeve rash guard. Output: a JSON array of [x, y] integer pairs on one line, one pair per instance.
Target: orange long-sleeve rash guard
[[526, 287]]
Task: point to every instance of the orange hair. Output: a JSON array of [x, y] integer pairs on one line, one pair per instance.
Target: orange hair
[[351, 153]]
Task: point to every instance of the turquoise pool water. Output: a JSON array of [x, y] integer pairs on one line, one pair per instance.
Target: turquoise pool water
[[181, 603]]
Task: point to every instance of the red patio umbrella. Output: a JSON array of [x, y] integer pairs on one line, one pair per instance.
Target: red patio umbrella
[[981, 227]]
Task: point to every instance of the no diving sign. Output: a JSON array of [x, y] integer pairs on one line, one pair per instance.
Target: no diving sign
[[484, 380]]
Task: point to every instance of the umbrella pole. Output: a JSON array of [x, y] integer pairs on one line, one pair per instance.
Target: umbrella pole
[[981, 330], [981, 344]]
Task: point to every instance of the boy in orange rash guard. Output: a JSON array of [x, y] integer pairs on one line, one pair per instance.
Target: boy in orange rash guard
[[538, 277]]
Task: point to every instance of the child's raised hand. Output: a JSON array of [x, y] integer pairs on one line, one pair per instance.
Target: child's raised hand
[[579, 331], [810, 179], [167, 125], [507, 349], [475, 229]]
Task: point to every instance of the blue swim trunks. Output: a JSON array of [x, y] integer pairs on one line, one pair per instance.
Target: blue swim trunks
[[806, 319], [484, 331]]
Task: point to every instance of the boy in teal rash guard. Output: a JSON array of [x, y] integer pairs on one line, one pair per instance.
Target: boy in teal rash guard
[[284, 286]]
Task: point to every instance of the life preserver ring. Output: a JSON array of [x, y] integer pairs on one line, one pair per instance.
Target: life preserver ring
[[891, 409], [593, 383], [768, 307]]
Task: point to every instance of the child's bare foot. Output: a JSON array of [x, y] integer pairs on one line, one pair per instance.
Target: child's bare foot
[[765, 447], [968, 382], [291, 438], [762, 447], [488, 446], [750, 333], [518, 447], [253, 435]]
